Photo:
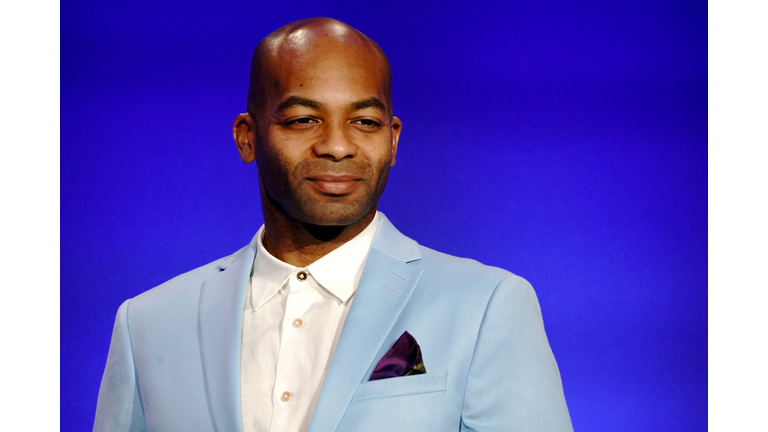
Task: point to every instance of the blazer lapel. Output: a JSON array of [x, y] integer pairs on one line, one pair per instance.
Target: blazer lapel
[[385, 287], [220, 326]]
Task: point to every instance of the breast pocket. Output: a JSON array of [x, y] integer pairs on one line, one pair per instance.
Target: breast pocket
[[402, 386]]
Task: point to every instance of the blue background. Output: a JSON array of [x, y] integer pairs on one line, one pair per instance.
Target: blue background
[[563, 141]]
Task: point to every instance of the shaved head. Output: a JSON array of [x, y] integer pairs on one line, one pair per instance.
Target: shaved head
[[303, 44], [321, 130]]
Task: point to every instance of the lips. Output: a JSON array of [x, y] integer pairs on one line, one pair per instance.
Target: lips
[[334, 184]]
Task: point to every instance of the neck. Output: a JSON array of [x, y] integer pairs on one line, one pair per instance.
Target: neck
[[301, 244]]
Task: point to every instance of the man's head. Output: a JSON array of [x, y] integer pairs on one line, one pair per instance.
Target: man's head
[[319, 123]]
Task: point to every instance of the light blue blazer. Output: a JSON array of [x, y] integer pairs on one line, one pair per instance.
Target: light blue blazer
[[174, 360]]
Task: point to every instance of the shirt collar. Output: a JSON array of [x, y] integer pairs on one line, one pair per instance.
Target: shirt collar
[[337, 272]]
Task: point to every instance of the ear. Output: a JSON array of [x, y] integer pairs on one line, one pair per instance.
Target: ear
[[244, 132], [396, 127]]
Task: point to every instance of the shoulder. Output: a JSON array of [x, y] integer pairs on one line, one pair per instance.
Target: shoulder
[[468, 271], [462, 268], [471, 282], [443, 275], [182, 288]]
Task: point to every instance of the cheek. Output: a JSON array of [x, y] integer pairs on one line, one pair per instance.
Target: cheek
[[381, 168], [273, 166]]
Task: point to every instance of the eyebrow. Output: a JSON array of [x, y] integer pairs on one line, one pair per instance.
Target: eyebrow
[[372, 102], [296, 100]]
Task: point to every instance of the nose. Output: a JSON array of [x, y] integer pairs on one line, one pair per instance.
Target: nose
[[335, 144]]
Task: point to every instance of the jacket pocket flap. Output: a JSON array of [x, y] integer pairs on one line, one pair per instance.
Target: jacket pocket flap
[[402, 386]]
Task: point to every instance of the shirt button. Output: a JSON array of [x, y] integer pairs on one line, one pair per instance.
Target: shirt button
[[297, 323], [301, 276], [286, 396]]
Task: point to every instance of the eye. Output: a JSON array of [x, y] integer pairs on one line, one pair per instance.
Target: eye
[[367, 123], [301, 122]]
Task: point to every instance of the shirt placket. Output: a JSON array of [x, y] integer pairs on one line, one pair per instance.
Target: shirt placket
[[289, 395]]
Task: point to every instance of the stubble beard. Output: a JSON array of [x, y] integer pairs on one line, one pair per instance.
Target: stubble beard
[[299, 202]]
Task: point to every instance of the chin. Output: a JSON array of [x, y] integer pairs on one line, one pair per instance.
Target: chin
[[313, 209], [334, 215]]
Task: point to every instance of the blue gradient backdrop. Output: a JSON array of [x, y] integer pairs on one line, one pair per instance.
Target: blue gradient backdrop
[[564, 141]]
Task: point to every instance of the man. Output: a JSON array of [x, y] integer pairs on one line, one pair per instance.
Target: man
[[330, 319]]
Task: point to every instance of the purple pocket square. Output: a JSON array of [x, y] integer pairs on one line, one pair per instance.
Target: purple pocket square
[[403, 359]]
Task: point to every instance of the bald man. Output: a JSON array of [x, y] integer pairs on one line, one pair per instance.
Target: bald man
[[330, 319]]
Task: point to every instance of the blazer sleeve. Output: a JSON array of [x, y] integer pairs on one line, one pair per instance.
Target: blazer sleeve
[[513, 382], [119, 406]]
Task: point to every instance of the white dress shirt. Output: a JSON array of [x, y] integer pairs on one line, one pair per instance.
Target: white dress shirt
[[291, 323]]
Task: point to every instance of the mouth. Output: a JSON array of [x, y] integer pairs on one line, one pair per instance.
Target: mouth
[[334, 184]]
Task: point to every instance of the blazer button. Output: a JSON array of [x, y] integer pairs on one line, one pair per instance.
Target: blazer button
[[301, 276], [286, 396]]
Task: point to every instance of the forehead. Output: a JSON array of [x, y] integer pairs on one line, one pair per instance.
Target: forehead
[[322, 67]]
